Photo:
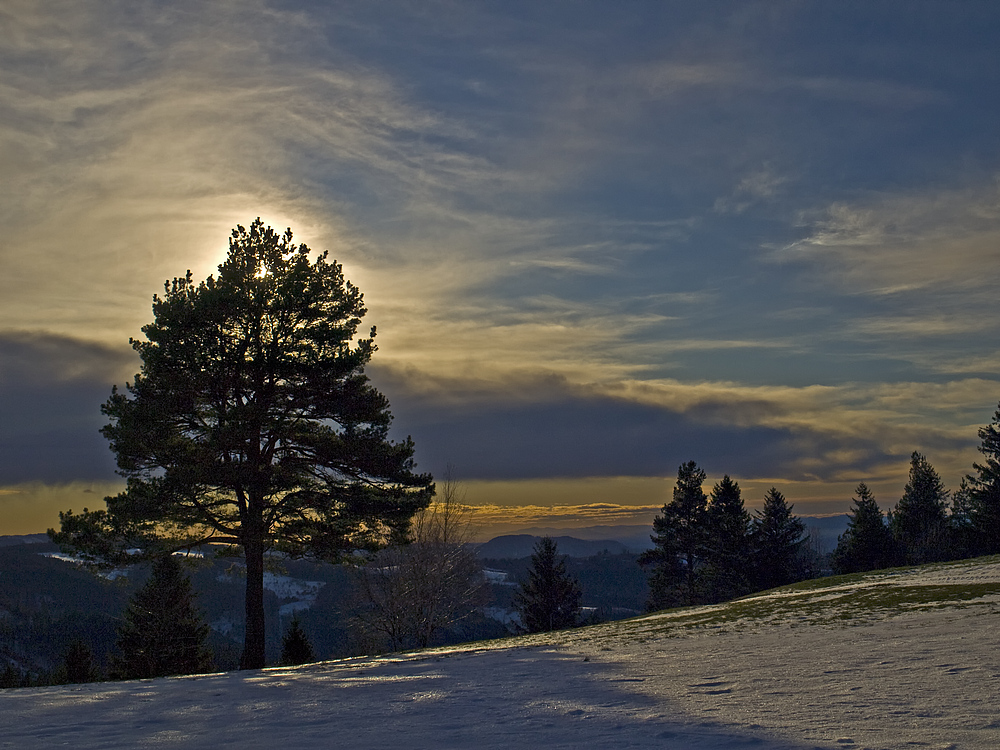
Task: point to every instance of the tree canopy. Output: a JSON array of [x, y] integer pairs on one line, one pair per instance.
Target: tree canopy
[[253, 424], [727, 574], [295, 645]]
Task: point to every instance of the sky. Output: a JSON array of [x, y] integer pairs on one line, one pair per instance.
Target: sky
[[597, 240]]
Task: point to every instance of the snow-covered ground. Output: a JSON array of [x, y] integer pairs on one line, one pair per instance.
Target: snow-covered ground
[[897, 660]]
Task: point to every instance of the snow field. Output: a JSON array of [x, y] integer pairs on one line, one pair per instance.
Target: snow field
[[904, 659]]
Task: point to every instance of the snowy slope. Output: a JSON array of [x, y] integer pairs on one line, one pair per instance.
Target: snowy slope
[[906, 659]]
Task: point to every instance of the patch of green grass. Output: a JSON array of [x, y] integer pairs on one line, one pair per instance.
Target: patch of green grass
[[834, 601], [823, 606]]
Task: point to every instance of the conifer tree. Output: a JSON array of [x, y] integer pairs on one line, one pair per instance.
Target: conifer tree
[[13, 678], [162, 633], [867, 544], [550, 598], [253, 424], [778, 537], [982, 491], [78, 663], [919, 521], [295, 645], [727, 543], [965, 537], [680, 542]]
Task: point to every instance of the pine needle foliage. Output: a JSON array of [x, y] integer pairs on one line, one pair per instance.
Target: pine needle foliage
[[867, 544], [680, 539], [982, 491], [919, 520], [295, 645], [778, 537], [550, 598], [162, 632]]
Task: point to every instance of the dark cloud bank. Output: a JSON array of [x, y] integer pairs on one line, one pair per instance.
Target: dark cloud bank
[[565, 434], [52, 387], [51, 391]]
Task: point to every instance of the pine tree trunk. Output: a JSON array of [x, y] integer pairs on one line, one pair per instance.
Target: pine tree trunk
[[253, 640]]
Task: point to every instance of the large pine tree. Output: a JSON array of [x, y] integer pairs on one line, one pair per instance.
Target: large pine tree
[[162, 633], [550, 598], [778, 537], [867, 544], [679, 538], [919, 520], [252, 424]]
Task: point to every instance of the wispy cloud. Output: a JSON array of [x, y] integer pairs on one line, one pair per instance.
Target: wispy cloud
[[892, 244]]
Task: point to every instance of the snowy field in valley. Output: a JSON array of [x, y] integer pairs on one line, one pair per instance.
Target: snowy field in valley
[[904, 659]]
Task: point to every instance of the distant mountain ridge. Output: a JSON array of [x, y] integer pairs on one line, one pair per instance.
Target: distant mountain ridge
[[7, 541], [516, 546], [588, 541]]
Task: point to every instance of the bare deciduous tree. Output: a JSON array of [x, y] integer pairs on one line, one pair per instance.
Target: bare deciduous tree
[[412, 592]]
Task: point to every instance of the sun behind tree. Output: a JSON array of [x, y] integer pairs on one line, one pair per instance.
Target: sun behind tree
[[252, 424]]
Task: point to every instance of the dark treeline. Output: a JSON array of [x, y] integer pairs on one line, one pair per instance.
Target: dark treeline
[[923, 527], [710, 548]]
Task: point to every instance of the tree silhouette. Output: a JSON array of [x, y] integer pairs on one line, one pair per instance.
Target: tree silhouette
[[550, 598], [679, 536], [78, 663], [919, 520], [162, 632], [778, 537], [412, 592], [867, 544], [982, 491], [252, 424], [295, 645], [727, 543]]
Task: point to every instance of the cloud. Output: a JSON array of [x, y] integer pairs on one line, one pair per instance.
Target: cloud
[[491, 520], [51, 390], [947, 241], [548, 426], [533, 211], [760, 185]]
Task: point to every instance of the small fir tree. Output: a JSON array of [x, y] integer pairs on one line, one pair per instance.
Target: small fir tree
[[778, 537], [867, 544], [162, 633], [727, 543], [679, 542], [295, 645], [920, 521], [550, 598]]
